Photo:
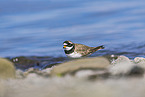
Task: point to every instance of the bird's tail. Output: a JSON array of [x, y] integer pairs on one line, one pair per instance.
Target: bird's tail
[[99, 47]]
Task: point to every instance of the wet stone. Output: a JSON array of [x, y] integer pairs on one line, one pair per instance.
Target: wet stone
[[24, 62], [40, 63]]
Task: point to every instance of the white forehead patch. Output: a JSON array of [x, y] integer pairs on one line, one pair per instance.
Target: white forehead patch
[[65, 44], [70, 42]]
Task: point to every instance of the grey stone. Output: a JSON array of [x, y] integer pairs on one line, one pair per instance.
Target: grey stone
[[80, 64]]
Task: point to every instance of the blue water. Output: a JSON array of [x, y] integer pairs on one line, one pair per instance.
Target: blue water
[[39, 27]]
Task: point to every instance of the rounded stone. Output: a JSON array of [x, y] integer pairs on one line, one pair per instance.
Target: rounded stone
[[80, 64], [7, 69]]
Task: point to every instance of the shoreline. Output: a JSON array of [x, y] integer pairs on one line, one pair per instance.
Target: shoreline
[[115, 78]]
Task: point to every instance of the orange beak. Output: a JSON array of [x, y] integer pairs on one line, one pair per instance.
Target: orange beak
[[64, 46]]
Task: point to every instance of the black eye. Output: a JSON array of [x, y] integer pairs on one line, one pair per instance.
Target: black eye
[[69, 44]]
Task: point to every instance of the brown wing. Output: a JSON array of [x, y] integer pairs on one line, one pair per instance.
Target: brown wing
[[83, 49]]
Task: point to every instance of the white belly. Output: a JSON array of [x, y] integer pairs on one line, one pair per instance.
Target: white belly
[[74, 55]]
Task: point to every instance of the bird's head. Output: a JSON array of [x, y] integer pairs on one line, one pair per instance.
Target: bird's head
[[68, 45]]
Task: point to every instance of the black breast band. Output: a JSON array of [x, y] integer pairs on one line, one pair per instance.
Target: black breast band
[[70, 51]]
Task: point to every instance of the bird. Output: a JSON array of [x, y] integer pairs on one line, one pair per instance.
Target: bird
[[74, 50]]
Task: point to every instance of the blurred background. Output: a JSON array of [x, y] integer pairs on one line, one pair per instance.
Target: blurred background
[[32, 33], [39, 27]]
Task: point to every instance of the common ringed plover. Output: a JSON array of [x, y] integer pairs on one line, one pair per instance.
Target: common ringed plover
[[74, 50]]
